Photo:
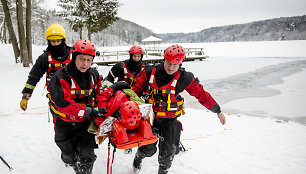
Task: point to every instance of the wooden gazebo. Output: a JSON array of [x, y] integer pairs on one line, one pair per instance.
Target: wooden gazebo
[[151, 42]]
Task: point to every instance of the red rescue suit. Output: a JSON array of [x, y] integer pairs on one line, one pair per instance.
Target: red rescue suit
[[77, 98], [168, 95]]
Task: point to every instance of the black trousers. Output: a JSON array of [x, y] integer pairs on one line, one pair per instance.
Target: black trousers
[[166, 129], [178, 133], [75, 143]]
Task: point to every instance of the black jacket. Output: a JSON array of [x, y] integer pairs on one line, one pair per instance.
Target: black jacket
[[117, 70], [41, 66]]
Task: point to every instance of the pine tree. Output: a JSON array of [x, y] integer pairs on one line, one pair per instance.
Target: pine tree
[[94, 15]]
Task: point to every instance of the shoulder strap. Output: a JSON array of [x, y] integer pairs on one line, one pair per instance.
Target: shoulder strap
[[66, 71], [96, 76], [151, 70]]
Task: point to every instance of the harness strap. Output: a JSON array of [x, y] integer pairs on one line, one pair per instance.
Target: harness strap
[[163, 114], [51, 103], [82, 92], [57, 65], [168, 103]]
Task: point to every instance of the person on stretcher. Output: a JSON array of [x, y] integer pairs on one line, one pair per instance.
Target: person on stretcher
[[127, 122]]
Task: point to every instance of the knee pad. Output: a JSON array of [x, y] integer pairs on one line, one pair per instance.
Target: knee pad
[[147, 150], [68, 159], [87, 154]]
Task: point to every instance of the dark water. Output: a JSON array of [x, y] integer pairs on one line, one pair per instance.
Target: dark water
[[253, 84]]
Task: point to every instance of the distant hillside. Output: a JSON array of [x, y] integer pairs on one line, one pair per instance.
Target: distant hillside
[[122, 32], [285, 28]]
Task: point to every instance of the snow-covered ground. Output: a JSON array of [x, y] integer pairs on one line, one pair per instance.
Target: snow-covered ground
[[260, 86]]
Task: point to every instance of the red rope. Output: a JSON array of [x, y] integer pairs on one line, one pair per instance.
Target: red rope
[[110, 166], [108, 158]]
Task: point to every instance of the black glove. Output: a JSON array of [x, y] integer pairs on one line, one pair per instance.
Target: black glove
[[97, 112], [97, 53], [120, 85]]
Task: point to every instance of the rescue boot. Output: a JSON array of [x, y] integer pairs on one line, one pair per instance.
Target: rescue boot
[[177, 149], [137, 163], [75, 167], [162, 170], [84, 166]]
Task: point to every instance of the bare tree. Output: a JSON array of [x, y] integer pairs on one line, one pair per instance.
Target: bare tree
[[22, 39], [39, 19], [10, 29], [28, 29], [2, 26], [2, 31]]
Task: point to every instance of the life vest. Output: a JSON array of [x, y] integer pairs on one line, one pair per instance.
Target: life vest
[[163, 99], [128, 76], [83, 97], [54, 65]]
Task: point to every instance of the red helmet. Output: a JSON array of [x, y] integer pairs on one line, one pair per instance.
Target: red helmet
[[175, 54], [130, 115], [136, 49], [84, 46]]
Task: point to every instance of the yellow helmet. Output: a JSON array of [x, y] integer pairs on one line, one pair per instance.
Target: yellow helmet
[[55, 31]]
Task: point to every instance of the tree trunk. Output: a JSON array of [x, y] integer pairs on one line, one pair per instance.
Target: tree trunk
[[22, 39], [18, 32], [28, 30], [10, 29], [89, 33], [81, 32], [4, 33]]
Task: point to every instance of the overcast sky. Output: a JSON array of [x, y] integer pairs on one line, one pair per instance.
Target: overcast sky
[[170, 16]]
